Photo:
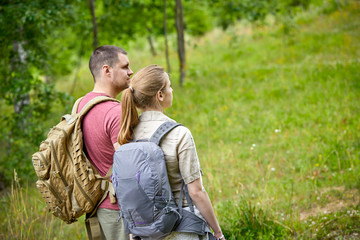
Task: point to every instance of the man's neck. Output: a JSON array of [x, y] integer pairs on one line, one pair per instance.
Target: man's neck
[[109, 92]]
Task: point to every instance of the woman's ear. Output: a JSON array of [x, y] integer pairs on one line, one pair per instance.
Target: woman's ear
[[160, 96]]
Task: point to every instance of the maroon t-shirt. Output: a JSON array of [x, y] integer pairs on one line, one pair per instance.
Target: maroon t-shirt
[[101, 126]]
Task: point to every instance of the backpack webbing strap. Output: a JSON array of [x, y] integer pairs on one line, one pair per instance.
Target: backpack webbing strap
[[93, 228], [162, 131], [109, 189], [188, 199]]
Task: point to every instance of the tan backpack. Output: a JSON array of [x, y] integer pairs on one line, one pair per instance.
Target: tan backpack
[[68, 182]]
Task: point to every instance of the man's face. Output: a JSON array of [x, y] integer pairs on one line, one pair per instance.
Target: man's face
[[121, 72]]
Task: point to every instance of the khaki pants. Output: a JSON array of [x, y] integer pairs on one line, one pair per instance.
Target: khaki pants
[[110, 228]]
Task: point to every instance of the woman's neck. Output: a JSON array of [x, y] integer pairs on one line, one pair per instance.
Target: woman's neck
[[152, 109]]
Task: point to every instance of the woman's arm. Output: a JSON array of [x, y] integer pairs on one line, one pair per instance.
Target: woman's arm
[[201, 200]]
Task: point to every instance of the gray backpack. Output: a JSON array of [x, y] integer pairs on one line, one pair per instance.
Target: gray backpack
[[143, 191]]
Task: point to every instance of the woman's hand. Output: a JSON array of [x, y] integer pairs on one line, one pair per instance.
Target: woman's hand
[[219, 236]]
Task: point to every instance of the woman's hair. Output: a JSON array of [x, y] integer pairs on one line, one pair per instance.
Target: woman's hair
[[145, 84]]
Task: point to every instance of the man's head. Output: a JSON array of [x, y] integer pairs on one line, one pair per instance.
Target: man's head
[[110, 65]]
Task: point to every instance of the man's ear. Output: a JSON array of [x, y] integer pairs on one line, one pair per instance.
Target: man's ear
[[106, 70]]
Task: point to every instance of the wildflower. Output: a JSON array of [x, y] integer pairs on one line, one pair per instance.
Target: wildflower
[[318, 198], [273, 169], [350, 169], [277, 130]]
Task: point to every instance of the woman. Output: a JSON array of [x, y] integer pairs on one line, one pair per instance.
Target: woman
[[151, 92]]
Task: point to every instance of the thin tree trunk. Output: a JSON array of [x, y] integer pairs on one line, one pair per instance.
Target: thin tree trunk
[[166, 40], [93, 17], [153, 52], [77, 68], [179, 20], [18, 63], [19, 59]]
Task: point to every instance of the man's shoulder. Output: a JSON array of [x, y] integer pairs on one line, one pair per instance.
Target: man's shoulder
[[103, 106]]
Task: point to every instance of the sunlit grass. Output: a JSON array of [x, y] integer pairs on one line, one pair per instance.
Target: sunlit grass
[[25, 216]]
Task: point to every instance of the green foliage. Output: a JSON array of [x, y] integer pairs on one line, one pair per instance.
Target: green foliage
[[133, 19], [228, 12], [198, 18], [25, 95]]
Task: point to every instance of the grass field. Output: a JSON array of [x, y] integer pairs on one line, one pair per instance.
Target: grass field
[[275, 114]]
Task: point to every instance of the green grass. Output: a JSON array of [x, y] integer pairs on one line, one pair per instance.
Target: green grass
[[24, 216], [276, 121]]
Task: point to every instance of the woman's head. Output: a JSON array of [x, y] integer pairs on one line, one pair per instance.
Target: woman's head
[[146, 86], [150, 90]]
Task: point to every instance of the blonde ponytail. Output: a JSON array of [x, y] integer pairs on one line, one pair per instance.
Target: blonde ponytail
[[129, 117]]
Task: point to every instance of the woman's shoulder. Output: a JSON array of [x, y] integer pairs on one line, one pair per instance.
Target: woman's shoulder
[[182, 133]]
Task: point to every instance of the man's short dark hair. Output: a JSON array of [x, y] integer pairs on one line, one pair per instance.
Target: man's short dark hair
[[104, 55]]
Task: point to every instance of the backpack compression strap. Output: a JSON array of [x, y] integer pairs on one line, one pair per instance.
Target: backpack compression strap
[[162, 131]]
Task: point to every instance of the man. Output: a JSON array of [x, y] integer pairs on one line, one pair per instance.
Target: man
[[111, 71]]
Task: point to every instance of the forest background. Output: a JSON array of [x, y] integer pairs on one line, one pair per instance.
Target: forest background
[[269, 89]]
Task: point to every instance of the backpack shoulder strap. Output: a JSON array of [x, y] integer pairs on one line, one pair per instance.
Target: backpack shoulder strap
[[76, 106], [93, 102], [162, 131]]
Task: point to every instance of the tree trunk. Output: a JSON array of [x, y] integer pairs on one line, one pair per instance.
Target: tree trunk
[[179, 20], [93, 17], [153, 52], [21, 100], [166, 40]]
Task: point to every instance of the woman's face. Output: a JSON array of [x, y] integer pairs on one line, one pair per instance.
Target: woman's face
[[167, 93]]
